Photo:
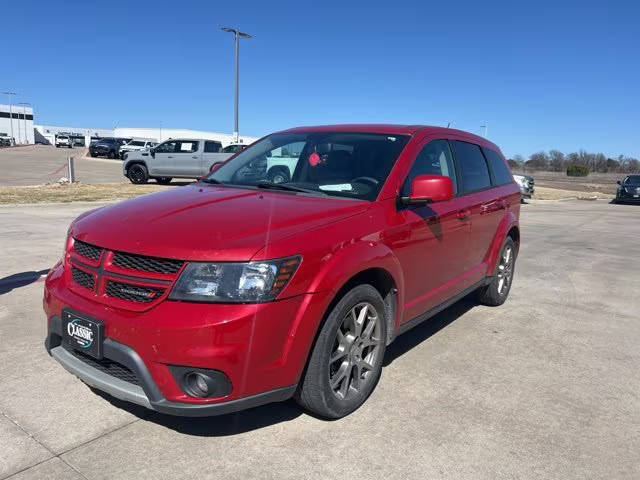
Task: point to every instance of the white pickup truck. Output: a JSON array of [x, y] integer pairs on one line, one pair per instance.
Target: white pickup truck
[[174, 158]]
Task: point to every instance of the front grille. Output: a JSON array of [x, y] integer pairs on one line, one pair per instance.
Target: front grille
[[107, 366], [88, 251], [146, 264], [83, 279], [133, 293]]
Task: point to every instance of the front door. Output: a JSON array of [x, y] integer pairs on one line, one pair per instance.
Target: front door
[[431, 241], [163, 155], [186, 160]]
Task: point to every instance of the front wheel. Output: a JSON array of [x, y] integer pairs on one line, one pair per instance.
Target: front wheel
[[497, 291], [138, 174], [346, 361]]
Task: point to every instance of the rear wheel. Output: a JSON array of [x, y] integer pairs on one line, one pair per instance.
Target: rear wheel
[[138, 174], [346, 361], [164, 180], [111, 154], [497, 291], [278, 175]]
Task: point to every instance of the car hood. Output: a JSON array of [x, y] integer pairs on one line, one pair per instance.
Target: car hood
[[208, 222]]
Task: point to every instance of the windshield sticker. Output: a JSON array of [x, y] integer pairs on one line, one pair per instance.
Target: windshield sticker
[[341, 187]]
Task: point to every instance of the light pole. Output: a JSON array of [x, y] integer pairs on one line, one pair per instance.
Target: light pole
[[486, 130], [238, 35], [9, 94], [24, 114]]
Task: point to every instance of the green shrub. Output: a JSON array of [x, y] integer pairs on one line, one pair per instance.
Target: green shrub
[[577, 171]]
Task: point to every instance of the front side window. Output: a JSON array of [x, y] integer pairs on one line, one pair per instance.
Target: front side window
[[434, 159], [474, 174], [186, 147], [501, 173], [354, 165], [632, 179], [167, 147]]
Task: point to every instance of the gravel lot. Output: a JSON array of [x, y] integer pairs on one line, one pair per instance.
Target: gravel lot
[[546, 386], [39, 164]]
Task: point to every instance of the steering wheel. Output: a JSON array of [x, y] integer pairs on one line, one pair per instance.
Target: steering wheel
[[365, 180]]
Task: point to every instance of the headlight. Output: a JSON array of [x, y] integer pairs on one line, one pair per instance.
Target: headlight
[[68, 238], [251, 282]]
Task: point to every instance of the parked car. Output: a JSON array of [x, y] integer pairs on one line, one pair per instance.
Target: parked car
[[526, 184], [106, 147], [628, 189], [174, 158], [236, 291], [6, 140], [136, 145], [234, 148], [63, 141]]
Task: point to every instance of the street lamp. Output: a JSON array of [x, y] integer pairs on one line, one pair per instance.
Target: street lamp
[[24, 115], [238, 35], [9, 94]]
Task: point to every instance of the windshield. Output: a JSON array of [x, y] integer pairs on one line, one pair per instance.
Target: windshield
[[353, 165], [634, 179]]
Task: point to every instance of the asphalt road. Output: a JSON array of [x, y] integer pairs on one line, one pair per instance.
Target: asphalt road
[[39, 164], [546, 386]]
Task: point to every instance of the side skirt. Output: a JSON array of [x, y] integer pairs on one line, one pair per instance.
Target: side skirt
[[438, 308]]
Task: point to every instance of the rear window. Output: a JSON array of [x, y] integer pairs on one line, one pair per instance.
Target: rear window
[[474, 174], [501, 173]]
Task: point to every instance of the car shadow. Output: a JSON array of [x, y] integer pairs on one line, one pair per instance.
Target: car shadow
[[21, 279], [274, 413]]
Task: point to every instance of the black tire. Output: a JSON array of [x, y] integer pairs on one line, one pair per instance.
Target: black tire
[[315, 392], [138, 174], [278, 175], [111, 154], [496, 292], [164, 180], [91, 154]]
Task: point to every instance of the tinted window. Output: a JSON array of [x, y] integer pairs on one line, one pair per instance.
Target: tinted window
[[474, 174], [186, 147], [501, 173], [136, 143], [633, 179], [166, 147], [433, 159], [212, 147]]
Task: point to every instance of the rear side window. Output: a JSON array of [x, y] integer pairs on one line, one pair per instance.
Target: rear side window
[[474, 174], [501, 173], [434, 159], [212, 147]]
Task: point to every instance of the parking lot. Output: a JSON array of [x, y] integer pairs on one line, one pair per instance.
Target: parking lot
[[546, 386], [40, 164]]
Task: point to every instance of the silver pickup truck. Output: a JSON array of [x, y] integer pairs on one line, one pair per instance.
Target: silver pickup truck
[[174, 158]]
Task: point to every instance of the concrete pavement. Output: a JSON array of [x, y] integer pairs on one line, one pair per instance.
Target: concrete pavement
[[545, 386]]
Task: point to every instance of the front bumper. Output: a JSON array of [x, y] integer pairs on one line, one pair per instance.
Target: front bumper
[[262, 348]]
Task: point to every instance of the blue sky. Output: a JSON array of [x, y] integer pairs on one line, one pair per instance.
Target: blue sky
[[542, 75]]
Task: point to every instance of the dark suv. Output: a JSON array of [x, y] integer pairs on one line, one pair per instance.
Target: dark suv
[[237, 291], [106, 147], [629, 189]]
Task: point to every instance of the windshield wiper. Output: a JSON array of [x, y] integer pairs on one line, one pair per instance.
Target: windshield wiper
[[211, 180], [285, 186]]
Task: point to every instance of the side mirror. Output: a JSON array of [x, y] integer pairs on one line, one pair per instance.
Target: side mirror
[[619, 182], [428, 189], [152, 151]]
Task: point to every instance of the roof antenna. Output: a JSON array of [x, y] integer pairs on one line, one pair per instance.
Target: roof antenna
[[449, 123]]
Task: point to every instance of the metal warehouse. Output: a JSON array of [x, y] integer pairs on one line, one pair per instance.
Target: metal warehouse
[[17, 121]]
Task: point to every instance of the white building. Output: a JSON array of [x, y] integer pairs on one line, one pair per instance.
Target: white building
[[17, 121], [47, 133]]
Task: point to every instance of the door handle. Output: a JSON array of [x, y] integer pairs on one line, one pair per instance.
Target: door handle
[[463, 215], [169, 156], [195, 156]]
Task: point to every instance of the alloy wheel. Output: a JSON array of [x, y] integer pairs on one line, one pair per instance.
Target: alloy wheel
[[505, 270], [356, 351]]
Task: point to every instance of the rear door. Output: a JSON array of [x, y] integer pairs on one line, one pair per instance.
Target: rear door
[[186, 159], [482, 201], [212, 154]]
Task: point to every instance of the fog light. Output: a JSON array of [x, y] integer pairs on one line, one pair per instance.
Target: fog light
[[201, 382]]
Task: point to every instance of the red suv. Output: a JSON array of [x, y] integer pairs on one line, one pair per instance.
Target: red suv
[[237, 291]]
